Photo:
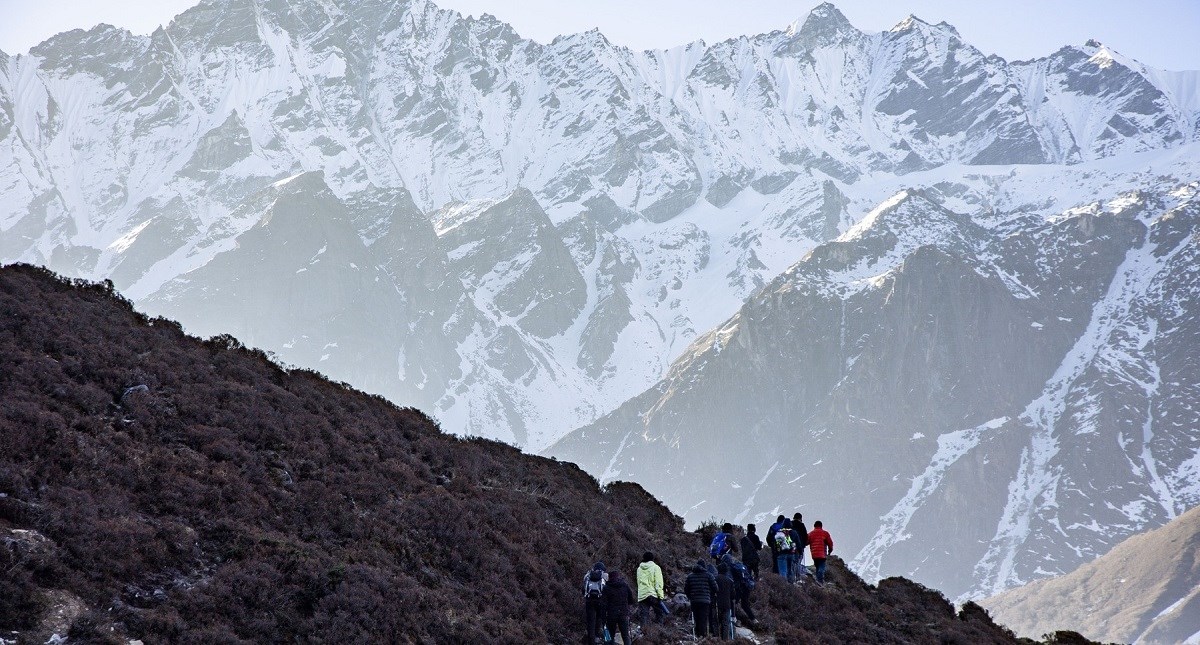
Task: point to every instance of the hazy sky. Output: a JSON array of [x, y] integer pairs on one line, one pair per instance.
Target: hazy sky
[[1160, 33]]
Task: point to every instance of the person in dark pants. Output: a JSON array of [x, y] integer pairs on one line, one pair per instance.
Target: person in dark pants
[[700, 589], [751, 545], [618, 597], [725, 594], [594, 582], [741, 589], [714, 625], [650, 592], [800, 537]]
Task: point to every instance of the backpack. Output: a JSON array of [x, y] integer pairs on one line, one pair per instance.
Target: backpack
[[783, 542], [741, 575], [719, 545], [771, 532], [594, 587]]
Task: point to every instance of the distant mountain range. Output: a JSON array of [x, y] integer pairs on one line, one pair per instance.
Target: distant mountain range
[[939, 297], [1146, 591]]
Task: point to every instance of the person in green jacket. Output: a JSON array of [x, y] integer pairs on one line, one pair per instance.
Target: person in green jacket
[[650, 591]]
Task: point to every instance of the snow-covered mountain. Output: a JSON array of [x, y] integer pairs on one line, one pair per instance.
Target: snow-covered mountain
[[527, 238], [977, 400], [517, 236]]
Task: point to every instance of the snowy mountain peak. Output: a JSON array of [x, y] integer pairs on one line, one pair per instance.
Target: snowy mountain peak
[[825, 22], [909, 23], [914, 25]]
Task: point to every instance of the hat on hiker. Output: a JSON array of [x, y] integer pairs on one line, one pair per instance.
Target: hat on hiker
[[600, 566]]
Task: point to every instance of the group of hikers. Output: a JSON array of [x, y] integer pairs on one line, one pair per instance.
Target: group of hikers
[[713, 588]]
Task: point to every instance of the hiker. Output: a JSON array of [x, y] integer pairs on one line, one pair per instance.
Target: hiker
[[714, 626], [751, 546], [821, 545], [724, 601], [784, 548], [617, 599], [800, 539], [771, 543], [594, 582], [700, 588], [743, 585], [722, 542], [650, 592]]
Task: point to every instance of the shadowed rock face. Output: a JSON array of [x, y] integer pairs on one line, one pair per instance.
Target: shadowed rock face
[[321, 274], [970, 408], [1145, 590], [511, 250]]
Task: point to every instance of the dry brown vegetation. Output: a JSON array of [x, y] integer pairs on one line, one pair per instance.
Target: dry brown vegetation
[[233, 500]]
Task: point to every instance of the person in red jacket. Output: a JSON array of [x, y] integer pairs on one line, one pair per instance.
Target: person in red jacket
[[820, 544]]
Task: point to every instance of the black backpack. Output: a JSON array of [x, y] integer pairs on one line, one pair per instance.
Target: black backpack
[[741, 576], [594, 588]]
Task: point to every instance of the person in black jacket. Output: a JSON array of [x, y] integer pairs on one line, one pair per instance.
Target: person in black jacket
[[741, 590], [714, 626], [700, 589], [725, 595], [800, 537], [751, 545], [618, 598]]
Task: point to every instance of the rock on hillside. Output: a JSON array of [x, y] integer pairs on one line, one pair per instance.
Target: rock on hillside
[[1146, 590], [158, 487]]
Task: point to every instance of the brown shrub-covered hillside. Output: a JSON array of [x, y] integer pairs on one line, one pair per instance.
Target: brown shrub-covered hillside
[[232, 500]]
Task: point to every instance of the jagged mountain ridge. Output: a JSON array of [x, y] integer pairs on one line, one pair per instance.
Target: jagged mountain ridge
[[976, 401], [678, 181]]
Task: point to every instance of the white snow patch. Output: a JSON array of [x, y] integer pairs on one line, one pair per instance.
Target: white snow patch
[[893, 525]]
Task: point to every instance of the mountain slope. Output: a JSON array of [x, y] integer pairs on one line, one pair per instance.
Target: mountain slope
[[1146, 590], [157, 487], [679, 181], [974, 401]]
